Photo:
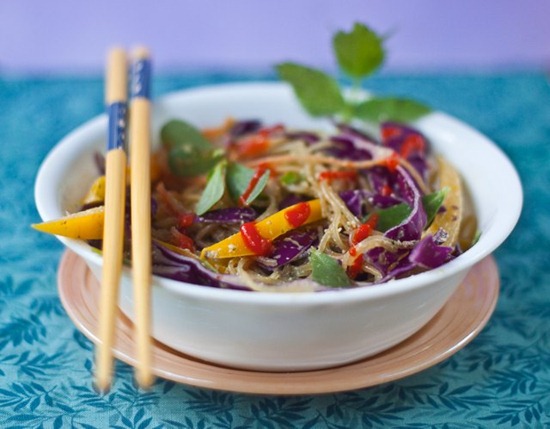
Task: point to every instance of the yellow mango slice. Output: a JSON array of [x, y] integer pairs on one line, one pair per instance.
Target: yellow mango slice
[[83, 225], [451, 218], [96, 193], [269, 228]]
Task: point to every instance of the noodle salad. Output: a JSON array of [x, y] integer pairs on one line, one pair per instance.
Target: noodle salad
[[281, 205]]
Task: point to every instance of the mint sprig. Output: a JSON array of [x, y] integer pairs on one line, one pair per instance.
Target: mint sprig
[[359, 54]]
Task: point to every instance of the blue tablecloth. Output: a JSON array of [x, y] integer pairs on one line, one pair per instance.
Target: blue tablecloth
[[502, 378]]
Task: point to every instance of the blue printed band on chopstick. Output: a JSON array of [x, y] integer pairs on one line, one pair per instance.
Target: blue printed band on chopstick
[[118, 117], [141, 78]]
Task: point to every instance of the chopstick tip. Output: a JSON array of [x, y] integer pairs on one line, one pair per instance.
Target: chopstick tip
[[141, 52], [116, 79], [102, 384], [116, 53], [144, 379]]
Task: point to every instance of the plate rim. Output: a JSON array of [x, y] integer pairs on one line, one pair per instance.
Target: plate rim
[[203, 374]]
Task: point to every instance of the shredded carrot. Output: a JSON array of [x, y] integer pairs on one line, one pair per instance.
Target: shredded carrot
[[215, 133]]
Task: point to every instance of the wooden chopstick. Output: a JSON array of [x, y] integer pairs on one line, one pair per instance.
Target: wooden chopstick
[[115, 194], [140, 194]]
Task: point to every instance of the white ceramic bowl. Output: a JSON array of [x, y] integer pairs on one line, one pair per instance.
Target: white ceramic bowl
[[285, 331]]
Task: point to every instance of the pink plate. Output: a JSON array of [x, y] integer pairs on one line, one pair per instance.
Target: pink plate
[[456, 324]]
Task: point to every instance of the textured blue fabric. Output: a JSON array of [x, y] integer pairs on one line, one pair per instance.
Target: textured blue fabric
[[500, 379]]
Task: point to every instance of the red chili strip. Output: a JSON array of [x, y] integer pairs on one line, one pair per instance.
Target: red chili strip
[[182, 241], [254, 241], [334, 175], [365, 229], [390, 131], [391, 162], [252, 146], [298, 215], [357, 236], [413, 143], [355, 268], [186, 219], [258, 143], [260, 170], [386, 190]]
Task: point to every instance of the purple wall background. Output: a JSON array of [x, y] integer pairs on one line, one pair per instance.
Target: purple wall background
[[73, 36]]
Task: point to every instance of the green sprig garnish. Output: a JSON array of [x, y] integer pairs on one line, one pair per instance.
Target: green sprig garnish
[[359, 54], [190, 154]]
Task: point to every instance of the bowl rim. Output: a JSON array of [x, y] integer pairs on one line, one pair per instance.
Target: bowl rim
[[488, 242]]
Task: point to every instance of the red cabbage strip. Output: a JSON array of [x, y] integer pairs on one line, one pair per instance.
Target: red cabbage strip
[[425, 255], [229, 215], [288, 248], [411, 228], [356, 201], [383, 260], [428, 254], [346, 147], [398, 136], [172, 265], [306, 136], [381, 179], [242, 128]]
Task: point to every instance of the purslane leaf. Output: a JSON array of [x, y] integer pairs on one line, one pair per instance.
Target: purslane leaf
[[359, 52], [380, 109], [327, 270], [214, 190], [317, 91]]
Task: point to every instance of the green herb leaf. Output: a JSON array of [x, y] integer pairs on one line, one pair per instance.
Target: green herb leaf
[[327, 270], [359, 52], [258, 187], [238, 179], [318, 92], [189, 153], [394, 215], [178, 133], [214, 190], [188, 161], [380, 109], [433, 202]]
